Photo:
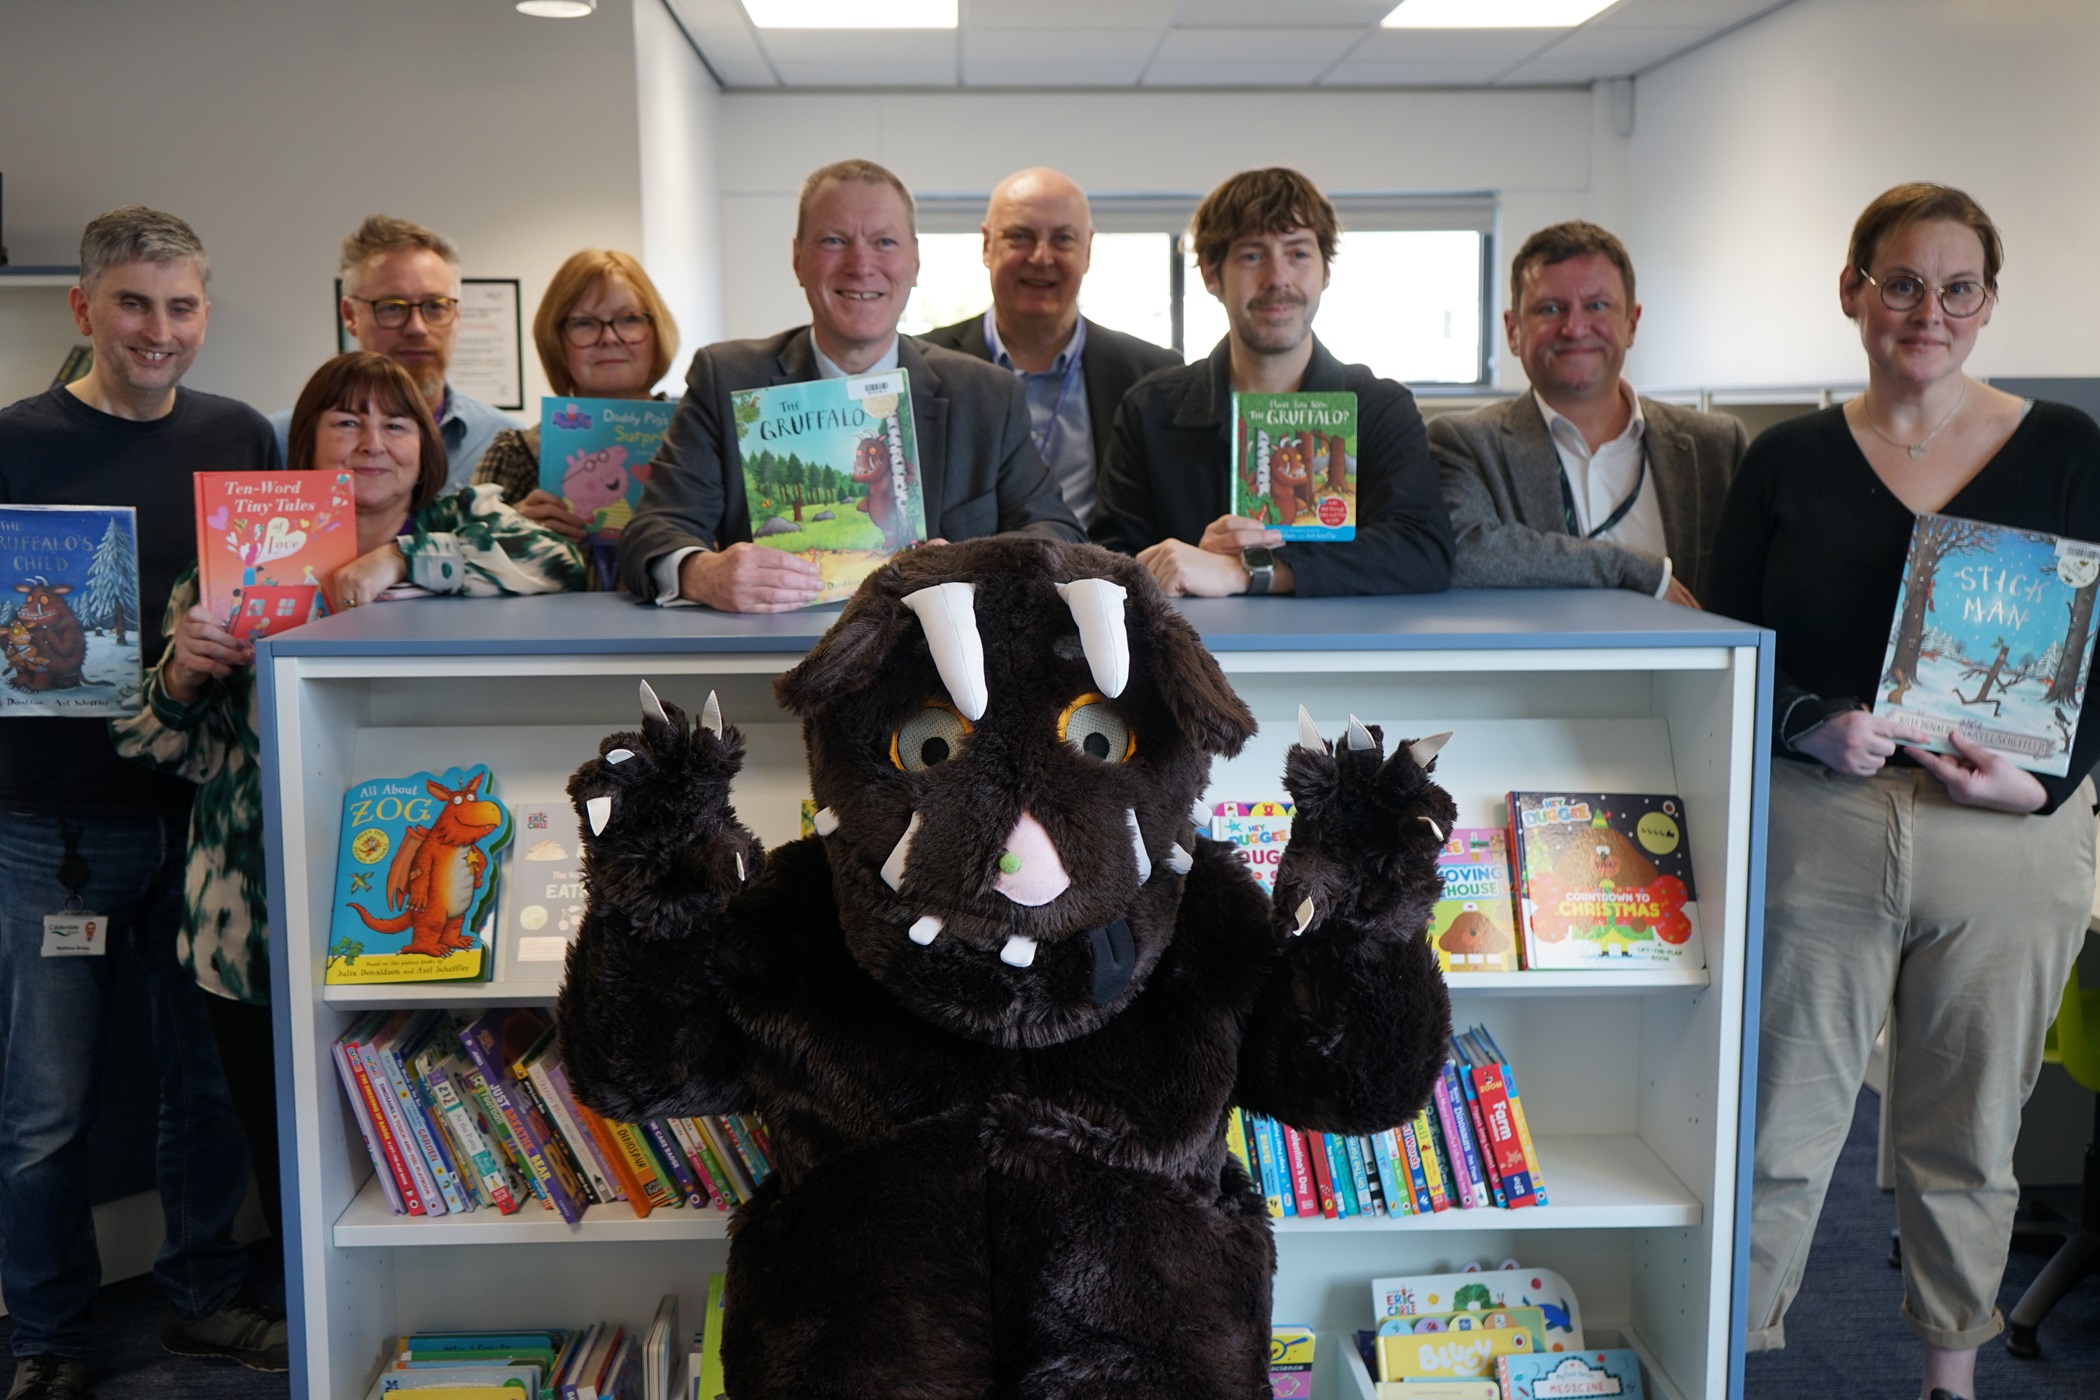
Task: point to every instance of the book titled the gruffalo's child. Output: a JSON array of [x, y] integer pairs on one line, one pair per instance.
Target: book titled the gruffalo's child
[[1604, 880], [69, 610], [1992, 638], [415, 879], [268, 546], [1294, 463], [831, 472]]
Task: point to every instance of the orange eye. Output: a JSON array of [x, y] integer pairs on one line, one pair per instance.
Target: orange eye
[[1090, 725], [931, 737]]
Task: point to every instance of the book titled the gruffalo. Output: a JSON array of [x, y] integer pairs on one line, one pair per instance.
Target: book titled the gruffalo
[[1993, 637], [1294, 463]]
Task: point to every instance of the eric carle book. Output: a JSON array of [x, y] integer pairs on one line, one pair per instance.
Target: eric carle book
[[268, 546], [1604, 880], [1486, 1291], [1993, 636], [831, 472], [1294, 463], [595, 455], [415, 879], [69, 611], [1474, 926]]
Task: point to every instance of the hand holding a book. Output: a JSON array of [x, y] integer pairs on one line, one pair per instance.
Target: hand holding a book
[[201, 651], [1212, 568], [1981, 777], [749, 578], [370, 574], [548, 511], [1856, 742]]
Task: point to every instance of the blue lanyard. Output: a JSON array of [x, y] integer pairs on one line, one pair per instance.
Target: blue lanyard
[[1047, 434]]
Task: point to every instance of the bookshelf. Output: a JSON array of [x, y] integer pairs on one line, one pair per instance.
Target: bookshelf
[[1633, 1079]]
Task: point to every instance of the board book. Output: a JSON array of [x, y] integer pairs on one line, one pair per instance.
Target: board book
[[1439, 1390], [1294, 463], [1486, 1290], [1290, 1362], [69, 611], [1461, 1346], [1474, 925], [1257, 833], [415, 878], [269, 544], [1604, 880], [595, 454], [1992, 638], [541, 901], [1615, 1373], [831, 472]]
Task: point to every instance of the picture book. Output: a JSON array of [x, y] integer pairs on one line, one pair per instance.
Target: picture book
[[1462, 1346], [831, 472], [595, 455], [69, 611], [1290, 1362], [268, 546], [1992, 638], [1530, 1321], [1294, 463], [1474, 926], [1440, 1390], [1604, 880], [495, 1042], [1257, 832], [707, 1358], [542, 897], [415, 878], [1486, 1290], [1615, 1373]]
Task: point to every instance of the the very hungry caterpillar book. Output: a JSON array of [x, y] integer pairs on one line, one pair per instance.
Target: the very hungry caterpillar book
[[268, 546], [415, 878], [1604, 879], [69, 611], [1294, 463], [595, 454]]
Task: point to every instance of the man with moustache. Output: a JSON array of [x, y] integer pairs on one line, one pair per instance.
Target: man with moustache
[[856, 254], [401, 300], [1581, 483], [1038, 241], [1264, 241]]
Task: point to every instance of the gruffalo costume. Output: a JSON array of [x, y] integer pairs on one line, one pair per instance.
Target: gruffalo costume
[[994, 1013]]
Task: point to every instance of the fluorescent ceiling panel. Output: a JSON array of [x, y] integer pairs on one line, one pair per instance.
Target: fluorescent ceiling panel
[[852, 14], [1489, 14]]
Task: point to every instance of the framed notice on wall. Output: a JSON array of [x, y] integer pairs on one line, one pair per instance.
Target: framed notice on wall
[[488, 354]]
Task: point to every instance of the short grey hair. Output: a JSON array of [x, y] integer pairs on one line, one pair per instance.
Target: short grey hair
[[381, 234], [135, 233]]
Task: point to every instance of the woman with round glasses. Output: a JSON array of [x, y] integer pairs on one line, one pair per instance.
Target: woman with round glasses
[[1949, 892], [603, 332]]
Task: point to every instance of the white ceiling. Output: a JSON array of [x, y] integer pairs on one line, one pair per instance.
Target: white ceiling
[[1200, 44]]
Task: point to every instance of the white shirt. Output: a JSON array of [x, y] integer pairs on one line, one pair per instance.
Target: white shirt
[[1600, 480]]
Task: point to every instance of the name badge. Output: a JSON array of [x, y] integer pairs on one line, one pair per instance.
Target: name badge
[[79, 935]]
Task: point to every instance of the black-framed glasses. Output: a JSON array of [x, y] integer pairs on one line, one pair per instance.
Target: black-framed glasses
[[629, 328], [392, 312], [1903, 291]]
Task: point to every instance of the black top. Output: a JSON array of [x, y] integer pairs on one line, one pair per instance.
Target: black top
[[1813, 545], [55, 450], [1167, 476]]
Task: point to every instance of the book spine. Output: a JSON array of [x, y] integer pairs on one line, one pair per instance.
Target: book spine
[[1323, 1173], [1415, 1175], [701, 1149], [1271, 1177], [1531, 1152], [552, 1080], [421, 1122], [465, 1132], [1432, 1163], [1236, 1143], [559, 1155], [1502, 1133], [710, 1136], [1485, 1146], [1461, 1176], [674, 1160], [624, 1180], [510, 1157], [419, 1066], [1284, 1188], [745, 1142], [529, 1135], [760, 1136], [648, 1172], [1344, 1183], [378, 1142], [1302, 1185], [1392, 1175], [1464, 1141], [404, 1136], [1367, 1199]]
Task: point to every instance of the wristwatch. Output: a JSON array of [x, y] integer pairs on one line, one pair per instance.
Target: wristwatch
[[1261, 568]]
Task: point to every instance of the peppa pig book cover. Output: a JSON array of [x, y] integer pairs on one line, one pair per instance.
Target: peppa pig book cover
[[69, 611], [268, 546], [595, 454], [1604, 880]]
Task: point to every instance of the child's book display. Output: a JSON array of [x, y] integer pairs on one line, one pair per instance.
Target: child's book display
[[1460, 1345], [1615, 1373], [1473, 927], [1605, 880], [831, 471], [1294, 463], [1487, 1291], [595, 455], [1257, 832], [1992, 637], [69, 611], [542, 895], [268, 546], [415, 878]]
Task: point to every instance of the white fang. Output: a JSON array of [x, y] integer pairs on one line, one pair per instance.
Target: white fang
[[618, 755], [1304, 916], [948, 614], [1309, 733], [1018, 952], [1097, 606], [825, 821], [599, 810], [1359, 736], [1423, 750], [1137, 845], [711, 714], [652, 708], [924, 929], [1434, 827], [739, 866], [1178, 860], [893, 868]]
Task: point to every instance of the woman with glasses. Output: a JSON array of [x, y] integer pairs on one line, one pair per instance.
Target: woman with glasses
[[603, 332], [1949, 892]]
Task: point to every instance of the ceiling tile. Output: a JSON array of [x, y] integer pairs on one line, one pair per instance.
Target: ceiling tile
[[1056, 57], [1219, 75], [1589, 54], [862, 57], [981, 15], [1416, 46], [1359, 14], [1708, 15], [1450, 73], [726, 40], [1255, 47]]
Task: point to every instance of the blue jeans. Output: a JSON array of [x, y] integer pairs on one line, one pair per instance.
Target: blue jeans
[[52, 1014]]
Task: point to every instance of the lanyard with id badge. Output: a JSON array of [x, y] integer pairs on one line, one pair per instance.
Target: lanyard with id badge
[[74, 932]]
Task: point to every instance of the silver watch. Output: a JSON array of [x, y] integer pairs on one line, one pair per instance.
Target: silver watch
[[1261, 568]]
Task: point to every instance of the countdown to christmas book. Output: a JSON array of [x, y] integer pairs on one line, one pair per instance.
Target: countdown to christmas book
[[1604, 879], [1993, 638], [1294, 463], [595, 455], [831, 472], [415, 878], [268, 546], [69, 611], [1474, 926]]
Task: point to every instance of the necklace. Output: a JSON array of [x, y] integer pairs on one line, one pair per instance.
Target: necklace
[[1915, 449]]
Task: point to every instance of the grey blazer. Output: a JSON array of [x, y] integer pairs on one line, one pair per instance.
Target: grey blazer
[[1501, 483], [977, 463]]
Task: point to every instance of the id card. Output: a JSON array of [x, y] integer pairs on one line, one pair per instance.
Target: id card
[[81, 935]]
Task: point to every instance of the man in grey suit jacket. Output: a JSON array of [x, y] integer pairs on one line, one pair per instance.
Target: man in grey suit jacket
[[856, 256], [1581, 483], [1038, 242]]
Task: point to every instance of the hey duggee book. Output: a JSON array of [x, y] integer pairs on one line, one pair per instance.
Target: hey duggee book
[[1605, 880]]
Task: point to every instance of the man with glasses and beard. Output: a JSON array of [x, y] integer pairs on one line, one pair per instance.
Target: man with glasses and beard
[[401, 300]]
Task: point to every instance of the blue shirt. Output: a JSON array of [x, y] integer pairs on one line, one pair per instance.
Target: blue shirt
[[467, 427], [1058, 414]]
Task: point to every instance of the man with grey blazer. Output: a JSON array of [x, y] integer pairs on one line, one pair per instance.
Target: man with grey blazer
[[1581, 483], [856, 256]]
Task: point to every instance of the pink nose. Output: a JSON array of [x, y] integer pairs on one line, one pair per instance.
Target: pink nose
[[1029, 871]]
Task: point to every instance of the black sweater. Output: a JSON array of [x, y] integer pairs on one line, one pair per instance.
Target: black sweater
[[1812, 545]]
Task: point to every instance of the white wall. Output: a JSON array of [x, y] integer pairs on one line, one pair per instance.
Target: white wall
[[1752, 157], [678, 105]]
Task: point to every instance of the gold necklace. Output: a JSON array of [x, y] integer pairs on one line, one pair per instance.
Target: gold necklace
[[1915, 449]]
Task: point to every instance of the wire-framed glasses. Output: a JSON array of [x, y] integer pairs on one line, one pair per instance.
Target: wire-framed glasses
[[392, 312], [629, 328], [1902, 291]]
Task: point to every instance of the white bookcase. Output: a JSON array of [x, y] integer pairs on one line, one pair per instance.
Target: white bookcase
[[1632, 1080]]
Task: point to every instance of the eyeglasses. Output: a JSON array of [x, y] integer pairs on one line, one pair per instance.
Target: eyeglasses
[[392, 312], [586, 331], [1904, 291]]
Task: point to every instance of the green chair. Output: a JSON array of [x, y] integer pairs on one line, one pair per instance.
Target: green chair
[[2074, 1043]]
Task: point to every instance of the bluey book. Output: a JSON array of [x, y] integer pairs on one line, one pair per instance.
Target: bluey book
[[1290, 1362], [1257, 832], [1615, 1373], [831, 472], [541, 903], [1474, 926], [595, 454], [1528, 1320], [1458, 1346], [1486, 1290], [415, 878], [1992, 639], [1294, 463], [269, 545], [1604, 879], [69, 611]]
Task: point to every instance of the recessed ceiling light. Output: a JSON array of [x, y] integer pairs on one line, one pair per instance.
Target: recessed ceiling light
[[1491, 14], [852, 14], [557, 9]]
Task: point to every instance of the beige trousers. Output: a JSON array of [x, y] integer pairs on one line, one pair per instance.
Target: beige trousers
[[1883, 897]]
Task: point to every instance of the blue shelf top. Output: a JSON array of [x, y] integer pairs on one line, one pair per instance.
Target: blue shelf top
[[576, 624]]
